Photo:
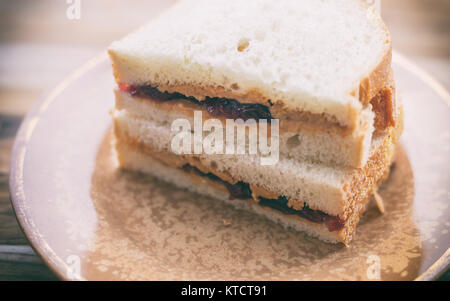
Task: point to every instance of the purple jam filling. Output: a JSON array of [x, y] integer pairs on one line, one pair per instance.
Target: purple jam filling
[[218, 107], [242, 191], [333, 223]]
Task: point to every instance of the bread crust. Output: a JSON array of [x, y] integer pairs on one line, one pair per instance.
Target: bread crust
[[376, 80], [384, 106]]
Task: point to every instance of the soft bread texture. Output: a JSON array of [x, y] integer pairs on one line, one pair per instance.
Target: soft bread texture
[[298, 141], [325, 57], [331, 189], [133, 159]]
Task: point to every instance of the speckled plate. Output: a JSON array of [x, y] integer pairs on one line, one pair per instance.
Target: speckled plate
[[89, 220]]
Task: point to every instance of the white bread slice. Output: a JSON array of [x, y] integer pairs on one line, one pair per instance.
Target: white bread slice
[[326, 57], [133, 159], [297, 141], [331, 189]]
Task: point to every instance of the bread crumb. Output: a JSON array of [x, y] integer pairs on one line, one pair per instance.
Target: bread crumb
[[243, 44], [379, 201]]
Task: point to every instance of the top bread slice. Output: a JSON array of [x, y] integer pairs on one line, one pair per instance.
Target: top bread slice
[[327, 58]]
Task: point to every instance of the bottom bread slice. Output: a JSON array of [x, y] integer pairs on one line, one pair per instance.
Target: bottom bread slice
[[133, 157]]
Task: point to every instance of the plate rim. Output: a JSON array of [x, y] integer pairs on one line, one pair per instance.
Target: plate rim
[[17, 197]]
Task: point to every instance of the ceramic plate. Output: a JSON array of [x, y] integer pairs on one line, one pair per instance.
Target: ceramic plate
[[89, 220]]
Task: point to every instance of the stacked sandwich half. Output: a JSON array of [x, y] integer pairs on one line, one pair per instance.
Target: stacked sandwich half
[[321, 69]]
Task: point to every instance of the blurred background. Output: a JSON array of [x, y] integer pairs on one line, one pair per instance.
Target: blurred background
[[40, 45]]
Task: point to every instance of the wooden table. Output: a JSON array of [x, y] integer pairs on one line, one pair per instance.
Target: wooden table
[[39, 46]]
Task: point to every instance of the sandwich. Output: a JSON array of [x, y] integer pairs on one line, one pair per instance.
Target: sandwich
[[316, 74]]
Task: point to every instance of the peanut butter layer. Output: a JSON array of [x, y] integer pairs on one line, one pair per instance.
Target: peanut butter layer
[[242, 191], [384, 109], [285, 125], [188, 99], [376, 81]]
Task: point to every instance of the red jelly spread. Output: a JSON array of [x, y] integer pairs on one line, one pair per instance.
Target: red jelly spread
[[333, 223], [241, 190], [220, 107]]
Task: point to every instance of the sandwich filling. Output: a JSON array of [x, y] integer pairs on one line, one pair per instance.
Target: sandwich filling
[[219, 107], [242, 191], [382, 104]]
